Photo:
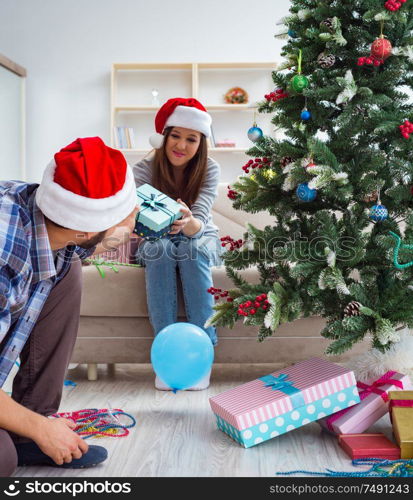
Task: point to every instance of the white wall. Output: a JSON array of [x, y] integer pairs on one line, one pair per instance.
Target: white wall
[[11, 124], [68, 47]]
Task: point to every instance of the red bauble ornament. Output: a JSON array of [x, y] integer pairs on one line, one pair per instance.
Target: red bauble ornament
[[381, 48]]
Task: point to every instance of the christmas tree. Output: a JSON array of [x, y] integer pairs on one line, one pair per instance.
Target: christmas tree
[[338, 183]]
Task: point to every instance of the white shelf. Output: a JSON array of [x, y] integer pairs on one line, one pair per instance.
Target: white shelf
[[238, 65], [211, 150], [231, 107], [228, 150], [121, 109], [210, 107]]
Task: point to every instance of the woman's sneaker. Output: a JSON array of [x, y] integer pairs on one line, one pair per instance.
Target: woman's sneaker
[[160, 385], [202, 384], [31, 454]]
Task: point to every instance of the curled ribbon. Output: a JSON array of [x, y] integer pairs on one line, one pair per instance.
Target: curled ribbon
[[396, 250]]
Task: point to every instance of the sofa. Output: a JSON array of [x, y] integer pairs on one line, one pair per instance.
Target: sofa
[[115, 328]]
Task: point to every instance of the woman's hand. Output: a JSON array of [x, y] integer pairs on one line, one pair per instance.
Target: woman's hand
[[186, 218]]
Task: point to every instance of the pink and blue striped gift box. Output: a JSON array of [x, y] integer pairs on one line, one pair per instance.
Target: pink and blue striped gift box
[[284, 400]]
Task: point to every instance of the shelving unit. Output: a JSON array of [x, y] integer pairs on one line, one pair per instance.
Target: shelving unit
[[132, 106]]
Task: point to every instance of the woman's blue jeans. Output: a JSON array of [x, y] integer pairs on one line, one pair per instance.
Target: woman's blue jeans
[[193, 258]]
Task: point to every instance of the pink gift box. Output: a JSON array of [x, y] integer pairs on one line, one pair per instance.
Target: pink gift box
[[374, 404], [284, 400]]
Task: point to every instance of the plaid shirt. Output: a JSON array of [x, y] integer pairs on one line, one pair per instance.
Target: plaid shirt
[[28, 268]]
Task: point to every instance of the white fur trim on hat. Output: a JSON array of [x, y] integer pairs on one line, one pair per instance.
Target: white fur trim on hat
[[79, 212], [189, 117], [156, 140]]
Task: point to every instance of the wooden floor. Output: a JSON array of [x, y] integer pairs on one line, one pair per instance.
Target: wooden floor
[[176, 434]]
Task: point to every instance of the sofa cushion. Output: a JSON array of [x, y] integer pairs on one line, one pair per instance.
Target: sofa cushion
[[123, 293], [223, 206]]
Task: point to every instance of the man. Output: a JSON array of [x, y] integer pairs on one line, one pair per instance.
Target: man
[[87, 196]]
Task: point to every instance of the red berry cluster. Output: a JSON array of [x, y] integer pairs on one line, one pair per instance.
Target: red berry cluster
[[394, 5], [369, 61], [233, 245], [257, 163], [219, 293], [406, 129], [250, 308], [232, 194], [276, 96]]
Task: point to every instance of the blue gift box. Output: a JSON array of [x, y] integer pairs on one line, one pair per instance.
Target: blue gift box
[[157, 212]]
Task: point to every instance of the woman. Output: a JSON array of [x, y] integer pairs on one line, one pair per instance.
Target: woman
[[181, 169]]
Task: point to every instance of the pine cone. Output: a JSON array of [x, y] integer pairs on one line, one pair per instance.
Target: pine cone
[[326, 61], [328, 24], [286, 160], [272, 274], [352, 309], [371, 197]]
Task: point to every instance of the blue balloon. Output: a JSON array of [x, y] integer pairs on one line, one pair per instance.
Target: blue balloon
[[181, 355]]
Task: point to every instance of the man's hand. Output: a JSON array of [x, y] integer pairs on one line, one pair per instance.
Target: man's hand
[[57, 440], [118, 235], [186, 218]]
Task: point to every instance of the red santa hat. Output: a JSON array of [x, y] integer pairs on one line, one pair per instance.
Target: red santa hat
[[180, 112], [87, 187]]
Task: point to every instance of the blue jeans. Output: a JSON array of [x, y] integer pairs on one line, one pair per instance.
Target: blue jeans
[[193, 257]]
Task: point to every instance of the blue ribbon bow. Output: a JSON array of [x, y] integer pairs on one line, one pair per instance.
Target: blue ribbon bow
[[153, 203], [282, 384]]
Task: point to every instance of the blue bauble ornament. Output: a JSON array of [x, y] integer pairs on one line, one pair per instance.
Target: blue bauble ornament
[[292, 34], [305, 193], [378, 213], [255, 133], [305, 115]]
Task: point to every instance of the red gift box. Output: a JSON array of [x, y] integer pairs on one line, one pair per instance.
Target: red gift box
[[368, 446]]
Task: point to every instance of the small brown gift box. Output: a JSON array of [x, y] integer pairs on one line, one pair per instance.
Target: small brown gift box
[[401, 411]]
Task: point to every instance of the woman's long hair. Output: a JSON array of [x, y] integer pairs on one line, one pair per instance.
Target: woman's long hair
[[194, 173]]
